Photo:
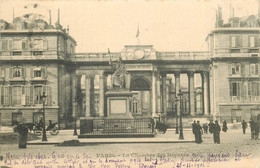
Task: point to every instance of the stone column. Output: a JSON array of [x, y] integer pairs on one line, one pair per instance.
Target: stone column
[[206, 92], [154, 102], [74, 93], [177, 87], [159, 107], [191, 93], [101, 93], [79, 99], [164, 102], [88, 86]]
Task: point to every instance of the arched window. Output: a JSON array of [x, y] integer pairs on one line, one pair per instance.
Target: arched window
[[140, 83]]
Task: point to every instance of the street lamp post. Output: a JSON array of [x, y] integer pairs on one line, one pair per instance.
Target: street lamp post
[[181, 111], [75, 102], [174, 102], [43, 98]]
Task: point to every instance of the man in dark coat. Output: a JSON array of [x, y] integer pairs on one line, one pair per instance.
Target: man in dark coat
[[198, 130], [252, 126], [216, 132], [256, 130], [23, 133], [205, 128], [244, 126], [211, 125], [224, 128]]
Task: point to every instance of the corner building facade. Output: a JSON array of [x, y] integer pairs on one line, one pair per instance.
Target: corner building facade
[[235, 68], [33, 61]]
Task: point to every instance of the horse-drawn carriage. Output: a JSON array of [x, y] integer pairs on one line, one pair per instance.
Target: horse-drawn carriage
[[37, 128]]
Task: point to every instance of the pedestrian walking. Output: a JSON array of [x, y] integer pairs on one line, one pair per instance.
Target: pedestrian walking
[[244, 126], [256, 130], [205, 128], [224, 128], [193, 127], [216, 132], [198, 131], [252, 126], [211, 125], [23, 134]]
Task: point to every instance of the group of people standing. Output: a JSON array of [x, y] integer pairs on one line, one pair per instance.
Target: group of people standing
[[212, 127]]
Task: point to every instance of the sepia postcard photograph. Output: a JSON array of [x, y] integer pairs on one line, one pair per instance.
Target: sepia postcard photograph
[[129, 83]]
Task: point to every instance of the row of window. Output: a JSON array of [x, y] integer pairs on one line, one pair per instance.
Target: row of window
[[18, 72], [237, 89], [18, 45], [24, 95], [241, 69], [236, 42]]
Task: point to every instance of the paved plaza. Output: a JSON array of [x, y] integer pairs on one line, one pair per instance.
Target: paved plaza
[[235, 149]]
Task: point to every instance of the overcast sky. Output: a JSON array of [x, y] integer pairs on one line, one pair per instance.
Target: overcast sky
[[175, 25]]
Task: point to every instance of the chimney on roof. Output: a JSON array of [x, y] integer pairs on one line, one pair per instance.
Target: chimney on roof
[[50, 17], [68, 29], [219, 20], [233, 12], [258, 9], [58, 16], [57, 24], [13, 13]]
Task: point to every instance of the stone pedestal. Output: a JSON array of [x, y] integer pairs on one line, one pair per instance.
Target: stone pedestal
[[118, 103]]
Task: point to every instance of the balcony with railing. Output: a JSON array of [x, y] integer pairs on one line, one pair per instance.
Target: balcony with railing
[[195, 55], [103, 56], [236, 52], [31, 55]]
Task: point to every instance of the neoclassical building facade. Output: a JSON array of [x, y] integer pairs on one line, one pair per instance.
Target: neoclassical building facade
[[221, 83]]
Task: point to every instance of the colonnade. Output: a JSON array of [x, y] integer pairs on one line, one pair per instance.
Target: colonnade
[[158, 88], [159, 97]]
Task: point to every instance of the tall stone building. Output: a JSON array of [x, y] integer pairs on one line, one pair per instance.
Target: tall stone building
[[235, 68], [33, 56]]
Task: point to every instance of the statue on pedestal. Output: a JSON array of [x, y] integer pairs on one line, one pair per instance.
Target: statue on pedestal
[[119, 75]]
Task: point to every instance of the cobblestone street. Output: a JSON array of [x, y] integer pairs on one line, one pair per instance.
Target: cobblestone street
[[235, 148]]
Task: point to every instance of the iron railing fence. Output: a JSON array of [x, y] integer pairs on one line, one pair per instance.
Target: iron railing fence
[[116, 126]]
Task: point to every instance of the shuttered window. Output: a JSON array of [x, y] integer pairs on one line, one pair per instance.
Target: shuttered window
[[253, 69], [16, 95], [6, 95], [235, 89], [49, 96], [27, 95], [234, 69], [235, 41], [37, 94], [2, 72], [17, 72], [5, 45], [38, 44], [24, 45], [38, 91], [1, 95], [253, 41], [37, 72], [254, 88], [17, 45]]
